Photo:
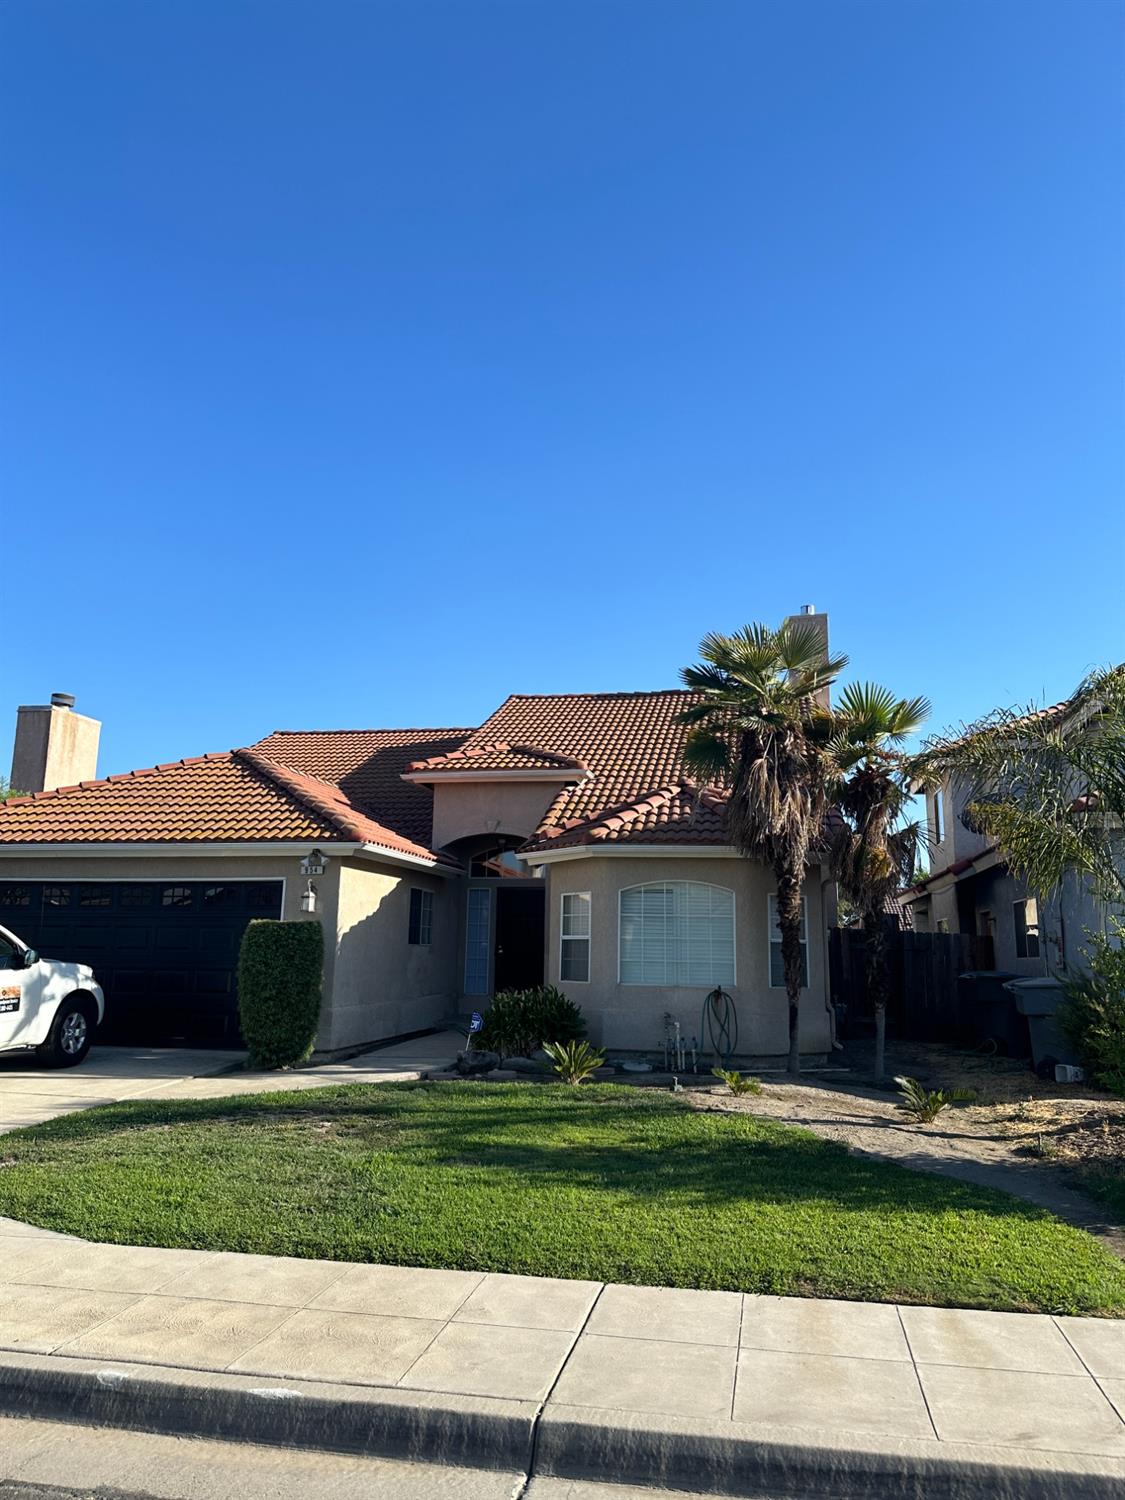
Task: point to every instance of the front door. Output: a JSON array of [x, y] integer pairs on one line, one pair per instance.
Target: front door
[[520, 913]]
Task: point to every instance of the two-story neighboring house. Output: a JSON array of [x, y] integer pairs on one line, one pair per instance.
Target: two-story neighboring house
[[971, 890], [560, 841]]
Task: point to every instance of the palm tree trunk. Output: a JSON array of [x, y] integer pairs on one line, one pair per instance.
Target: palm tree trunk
[[789, 921]]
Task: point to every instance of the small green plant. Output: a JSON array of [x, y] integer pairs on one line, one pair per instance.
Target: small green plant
[[520, 1021], [1093, 1014], [279, 985], [924, 1105], [735, 1081], [573, 1061]]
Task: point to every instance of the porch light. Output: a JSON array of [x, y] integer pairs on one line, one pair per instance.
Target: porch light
[[308, 897]]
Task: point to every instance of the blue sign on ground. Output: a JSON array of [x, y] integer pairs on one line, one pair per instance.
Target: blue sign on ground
[[476, 1023]]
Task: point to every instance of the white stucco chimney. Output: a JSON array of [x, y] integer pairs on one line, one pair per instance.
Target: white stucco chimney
[[54, 746], [819, 622]]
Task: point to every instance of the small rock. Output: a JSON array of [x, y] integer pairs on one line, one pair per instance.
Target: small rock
[[472, 1062], [524, 1064]]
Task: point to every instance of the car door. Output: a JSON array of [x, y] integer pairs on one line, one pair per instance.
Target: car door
[[20, 986]]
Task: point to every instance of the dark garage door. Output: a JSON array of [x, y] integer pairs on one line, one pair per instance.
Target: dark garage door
[[165, 952]]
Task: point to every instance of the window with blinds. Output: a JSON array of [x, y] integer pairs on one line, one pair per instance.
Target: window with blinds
[[777, 965], [677, 932]]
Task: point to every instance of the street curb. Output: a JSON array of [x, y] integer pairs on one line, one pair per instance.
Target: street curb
[[564, 1442], [384, 1422], [738, 1459]]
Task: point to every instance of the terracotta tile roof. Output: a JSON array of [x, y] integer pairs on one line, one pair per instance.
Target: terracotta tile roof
[[330, 803], [500, 756], [235, 796], [208, 799], [367, 766], [630, 743], [677, 814]]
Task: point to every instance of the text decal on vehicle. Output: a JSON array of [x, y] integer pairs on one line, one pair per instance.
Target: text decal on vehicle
[[9, 999]]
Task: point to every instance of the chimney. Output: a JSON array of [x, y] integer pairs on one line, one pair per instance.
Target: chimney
[[54, 746], [809, 616]]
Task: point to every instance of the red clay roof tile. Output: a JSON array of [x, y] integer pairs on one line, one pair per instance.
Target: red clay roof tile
[[500, 756]]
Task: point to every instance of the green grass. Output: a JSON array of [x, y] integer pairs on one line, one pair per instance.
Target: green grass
[[612, 1183]]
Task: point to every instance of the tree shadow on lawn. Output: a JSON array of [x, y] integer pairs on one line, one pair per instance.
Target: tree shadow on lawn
[[653, 1148]]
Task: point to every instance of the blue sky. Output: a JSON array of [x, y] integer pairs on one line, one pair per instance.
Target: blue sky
[[364, 362]]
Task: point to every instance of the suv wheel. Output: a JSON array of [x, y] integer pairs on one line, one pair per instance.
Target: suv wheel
[[71, 1033]]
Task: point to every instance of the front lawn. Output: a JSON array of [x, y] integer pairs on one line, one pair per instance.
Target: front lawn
[[609, 1182]]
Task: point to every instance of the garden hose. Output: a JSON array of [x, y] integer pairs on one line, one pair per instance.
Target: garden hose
[[719, 1021]]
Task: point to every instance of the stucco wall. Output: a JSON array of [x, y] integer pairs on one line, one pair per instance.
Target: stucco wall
[[383, 985], [266, 867], [957, 841], [632, 1016], [465, 808]]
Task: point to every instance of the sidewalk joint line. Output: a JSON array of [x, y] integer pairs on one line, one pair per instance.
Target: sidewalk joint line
[[738, 1353], [917, 1372]]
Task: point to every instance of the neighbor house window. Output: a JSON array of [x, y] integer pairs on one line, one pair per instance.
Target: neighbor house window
[[677, 932], [421, 916], [574, 942], [939, 818], [176, 895], [1026, 914], [777, 964], [95, 895]]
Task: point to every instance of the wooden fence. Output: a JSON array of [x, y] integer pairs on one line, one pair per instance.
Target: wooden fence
[[924, 1003]]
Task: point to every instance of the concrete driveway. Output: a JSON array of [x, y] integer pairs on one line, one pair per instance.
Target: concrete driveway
[[30, 1094]]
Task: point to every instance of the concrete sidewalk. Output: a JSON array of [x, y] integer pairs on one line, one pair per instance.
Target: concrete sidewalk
[[30, 1094], [705, 1390]]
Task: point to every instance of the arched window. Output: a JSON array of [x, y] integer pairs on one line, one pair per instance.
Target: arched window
[[676, 932]]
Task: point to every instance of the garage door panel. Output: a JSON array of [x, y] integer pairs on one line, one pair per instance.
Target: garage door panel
[[213, 981], [166, 952]]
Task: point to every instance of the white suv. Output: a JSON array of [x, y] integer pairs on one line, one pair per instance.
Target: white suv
[[46, 1005]]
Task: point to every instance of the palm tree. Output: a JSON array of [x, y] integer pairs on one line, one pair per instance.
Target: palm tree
[[873, 846], [761, 731], [1048, 784]]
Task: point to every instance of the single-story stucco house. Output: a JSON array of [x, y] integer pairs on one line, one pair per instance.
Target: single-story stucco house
[[559, 841]]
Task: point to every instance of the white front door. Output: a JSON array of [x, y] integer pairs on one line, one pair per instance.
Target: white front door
[[20, 989]]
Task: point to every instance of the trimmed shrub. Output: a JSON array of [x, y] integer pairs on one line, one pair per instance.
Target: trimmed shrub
[[279, 987], [518, 1022], [1093, 1014]]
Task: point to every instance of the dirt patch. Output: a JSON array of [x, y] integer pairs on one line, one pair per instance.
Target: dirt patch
[[1041, 1141]]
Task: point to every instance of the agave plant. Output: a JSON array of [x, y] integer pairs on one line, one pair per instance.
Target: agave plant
[[736, 1082], [575, 1060], [924, 1105]]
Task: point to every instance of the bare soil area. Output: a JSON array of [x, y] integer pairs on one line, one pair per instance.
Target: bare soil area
[[1050, 1143]]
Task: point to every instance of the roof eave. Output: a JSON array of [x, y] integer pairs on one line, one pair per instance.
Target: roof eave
[[440, 778]]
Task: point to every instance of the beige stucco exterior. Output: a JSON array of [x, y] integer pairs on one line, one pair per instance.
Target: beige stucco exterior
[[465, 809], [382, 985], [377, 985], [631, 1017]]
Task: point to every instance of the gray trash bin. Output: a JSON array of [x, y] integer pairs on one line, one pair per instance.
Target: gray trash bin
[[1038, 1000]]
